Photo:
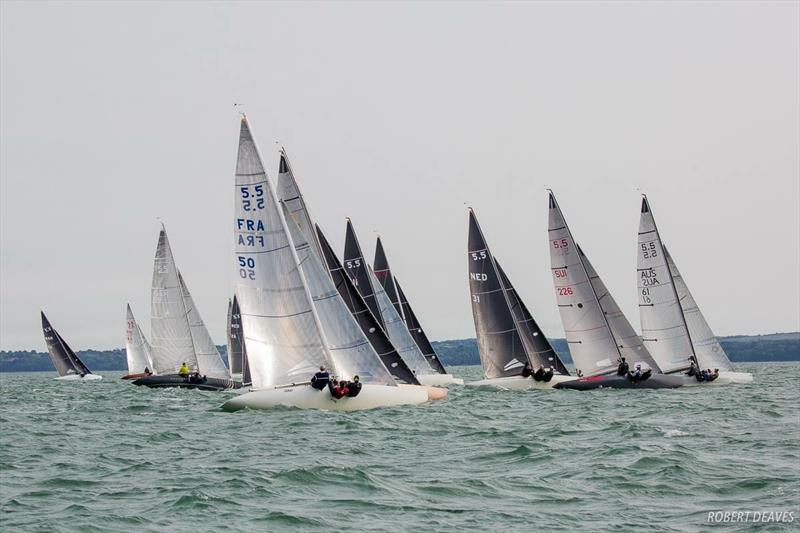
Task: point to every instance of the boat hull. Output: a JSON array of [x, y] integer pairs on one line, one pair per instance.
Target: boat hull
[[656, 381], [174, 380], [521, 383], [78, 377], [436, 380], [135, 376], [306, 397], [725, 378]]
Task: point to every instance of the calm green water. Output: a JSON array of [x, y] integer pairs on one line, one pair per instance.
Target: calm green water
[[109, 456]]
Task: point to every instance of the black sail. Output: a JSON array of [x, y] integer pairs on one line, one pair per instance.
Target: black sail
[[356, 269], [365, 318], [499, 344], [384, 274], [64, 359], [418, 333], [238, 356], [540, 352]]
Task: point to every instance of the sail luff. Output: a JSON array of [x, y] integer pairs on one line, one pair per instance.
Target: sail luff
[[415, 328]]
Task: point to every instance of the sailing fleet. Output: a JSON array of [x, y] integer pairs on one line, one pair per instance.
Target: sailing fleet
[[297, 308]]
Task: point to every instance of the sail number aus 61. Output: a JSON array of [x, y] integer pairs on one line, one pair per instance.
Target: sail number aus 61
[[247, 267], [252, 197]]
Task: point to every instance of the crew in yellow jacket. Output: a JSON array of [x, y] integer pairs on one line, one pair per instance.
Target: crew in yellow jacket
[[184, 370]]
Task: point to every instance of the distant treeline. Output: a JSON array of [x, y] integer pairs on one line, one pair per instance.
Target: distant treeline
[[775, 347]]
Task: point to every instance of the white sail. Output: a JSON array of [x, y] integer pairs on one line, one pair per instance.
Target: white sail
[[591, 343], [137, 349], [289, 193], [209, 361], [171, 336], [398, 332], [351, 351], [707, 348], [628, 341], [664, 330], [284, 344]]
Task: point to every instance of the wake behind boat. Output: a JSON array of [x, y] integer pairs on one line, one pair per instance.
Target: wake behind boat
[[67, 363]]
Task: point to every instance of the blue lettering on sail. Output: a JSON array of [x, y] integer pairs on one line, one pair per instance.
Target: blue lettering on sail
[[247, 224]]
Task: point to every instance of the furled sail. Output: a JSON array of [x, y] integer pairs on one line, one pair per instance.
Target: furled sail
[[415, 328], [384, 274], [349, 348], [628, 341], [171, 335], [282, 337], [137, 349], [589, 337], [538, 348], [356, 267], [289, 193], [209, 361], [64, 359], [369, 324], [664, 328], [707, 348], [500, 346]]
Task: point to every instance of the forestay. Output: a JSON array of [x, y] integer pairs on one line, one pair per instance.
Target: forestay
[[361, 313], [415, 328], [664, 330], [707, 348], [591, 343], [349, 348], [171, 336], [283, 342], [500, 346], [137, 349], [209, 361]]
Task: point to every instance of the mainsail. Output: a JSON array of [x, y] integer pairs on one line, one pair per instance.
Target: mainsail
[[385, 278], [237, 354], [664, 328], [499, 343], [64, 359], [356, 268], [171, 335], [349, 348], [540, 352], [209, 362], [707, 348], [589, 337], [415, 328], [282, 336], [137, 349], [369, 324]]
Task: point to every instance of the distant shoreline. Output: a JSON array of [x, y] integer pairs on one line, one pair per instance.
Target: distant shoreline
[[775, 347]]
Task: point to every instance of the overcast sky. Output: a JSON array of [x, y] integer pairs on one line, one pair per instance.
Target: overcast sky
[[398, 115]]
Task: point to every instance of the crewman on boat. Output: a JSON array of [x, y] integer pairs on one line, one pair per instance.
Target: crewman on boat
[[338, 390], [636, 375], [548, 374], [692, 368], [321, 379], [527, 370], [184, 370], [539, 374], [354, 387], [147, 371], [622, 367]]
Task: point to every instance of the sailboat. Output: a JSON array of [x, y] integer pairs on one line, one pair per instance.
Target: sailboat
[[138, 351], [673, 327], [179, 336], [237, 352], [508, 337], [598, 334], [293, 317], [67, 363], [381, 305], [383, 273]]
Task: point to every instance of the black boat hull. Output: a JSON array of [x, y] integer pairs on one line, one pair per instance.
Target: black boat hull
[[657, 381], [175, 380]]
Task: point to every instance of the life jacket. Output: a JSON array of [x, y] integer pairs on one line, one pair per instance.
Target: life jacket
[[353, 389]]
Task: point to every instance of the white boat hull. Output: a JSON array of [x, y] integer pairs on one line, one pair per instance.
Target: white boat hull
[[306, 397], [437, 380], [78, 377], [520, 383], [725, 378]]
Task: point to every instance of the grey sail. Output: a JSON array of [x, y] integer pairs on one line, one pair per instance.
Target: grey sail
[[209, 362], [356, 269], [234, 363], [237, 352], [384, 274], [64, 359], [289, 193], [362, 314], [707, 348], [137, 349], [499, 344], [415, 328], [540, 352]]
